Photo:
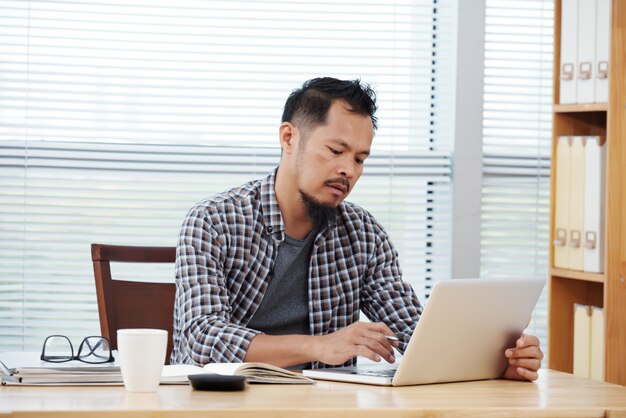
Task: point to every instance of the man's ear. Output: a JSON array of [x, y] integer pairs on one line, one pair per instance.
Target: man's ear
[[288, 135]]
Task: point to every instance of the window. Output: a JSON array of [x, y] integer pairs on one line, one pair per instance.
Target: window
[[516, 143], [117, 116]]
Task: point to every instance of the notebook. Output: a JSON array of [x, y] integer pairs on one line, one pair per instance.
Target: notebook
[[462, 334]]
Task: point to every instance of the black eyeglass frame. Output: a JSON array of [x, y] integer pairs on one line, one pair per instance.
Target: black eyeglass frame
[[84, 343]]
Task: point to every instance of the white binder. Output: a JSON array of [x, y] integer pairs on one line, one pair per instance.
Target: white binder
[[586, 54], [561, 202], [582, 340], [603, 42], [569, 18], [596, 366], [585, 80], [595, 179], [576, 204]]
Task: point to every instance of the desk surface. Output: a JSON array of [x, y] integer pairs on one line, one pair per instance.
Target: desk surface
[[555, 394]]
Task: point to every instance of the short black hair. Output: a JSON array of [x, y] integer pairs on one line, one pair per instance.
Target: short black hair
[[308, 105]]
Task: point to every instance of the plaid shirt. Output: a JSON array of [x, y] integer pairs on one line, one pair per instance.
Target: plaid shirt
[[224, 260]]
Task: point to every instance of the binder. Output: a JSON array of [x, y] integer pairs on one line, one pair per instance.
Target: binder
[[569, 23], [582, 340], [595, 185], [576, 204], [603, 42], [586, 54], [596, 366], [561, 202]]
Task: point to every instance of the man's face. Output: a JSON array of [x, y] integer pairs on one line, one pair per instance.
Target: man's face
[[330, 157]]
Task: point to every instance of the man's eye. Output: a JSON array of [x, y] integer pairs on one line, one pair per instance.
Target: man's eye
[[358, 161], [334, 151]]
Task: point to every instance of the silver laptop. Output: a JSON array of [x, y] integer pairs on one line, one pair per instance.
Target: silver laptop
[[462, 334]]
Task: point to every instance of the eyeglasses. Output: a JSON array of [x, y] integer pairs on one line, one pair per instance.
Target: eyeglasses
[[93, 350]]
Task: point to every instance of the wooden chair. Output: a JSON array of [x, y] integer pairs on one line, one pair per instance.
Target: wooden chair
[[128, 304]]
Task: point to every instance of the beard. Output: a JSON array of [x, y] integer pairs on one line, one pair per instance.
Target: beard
[[319, 213]]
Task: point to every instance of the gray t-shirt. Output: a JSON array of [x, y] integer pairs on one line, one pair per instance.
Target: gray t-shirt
[[284, 308]]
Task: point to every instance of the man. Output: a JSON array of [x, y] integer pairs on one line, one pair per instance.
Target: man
[[278, 269]]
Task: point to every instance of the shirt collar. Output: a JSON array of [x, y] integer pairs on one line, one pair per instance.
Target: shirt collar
[[271, 212], [272, 217]]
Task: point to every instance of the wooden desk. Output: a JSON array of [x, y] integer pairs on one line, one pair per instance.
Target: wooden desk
[[556, 394]]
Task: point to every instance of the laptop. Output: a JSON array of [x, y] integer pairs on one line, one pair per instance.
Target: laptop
[[462, 334]]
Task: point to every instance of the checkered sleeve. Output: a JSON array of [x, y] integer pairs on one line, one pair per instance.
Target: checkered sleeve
[[202, 312], [386, 297]]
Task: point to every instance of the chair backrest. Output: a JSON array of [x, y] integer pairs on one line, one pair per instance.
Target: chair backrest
[[128, 304]]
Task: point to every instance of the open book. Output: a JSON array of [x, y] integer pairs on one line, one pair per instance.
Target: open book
[[254, 373]]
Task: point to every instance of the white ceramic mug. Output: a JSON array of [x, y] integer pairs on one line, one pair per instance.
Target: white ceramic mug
[[141, 354]]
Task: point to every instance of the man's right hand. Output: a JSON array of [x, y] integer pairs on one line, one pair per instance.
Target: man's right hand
[[359, 339]]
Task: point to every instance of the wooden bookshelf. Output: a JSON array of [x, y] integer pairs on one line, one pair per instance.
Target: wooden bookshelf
[[615, 288], [607, 290], [577, 275], [572, 108]]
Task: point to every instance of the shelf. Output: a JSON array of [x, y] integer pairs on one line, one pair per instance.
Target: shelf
[[591, 107], [569, 287], [578, 275]]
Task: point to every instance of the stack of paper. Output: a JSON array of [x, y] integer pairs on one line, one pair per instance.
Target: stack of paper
[[25, 368]]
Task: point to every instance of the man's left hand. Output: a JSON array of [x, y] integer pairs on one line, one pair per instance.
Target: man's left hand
[[524, 359]]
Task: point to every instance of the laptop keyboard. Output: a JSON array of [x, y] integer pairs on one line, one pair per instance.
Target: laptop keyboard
[[375, 372]]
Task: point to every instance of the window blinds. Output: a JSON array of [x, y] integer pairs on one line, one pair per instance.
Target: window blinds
[[516, 143], [116, 117]]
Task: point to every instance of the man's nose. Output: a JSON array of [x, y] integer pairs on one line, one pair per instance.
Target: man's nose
[[346, 169]]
